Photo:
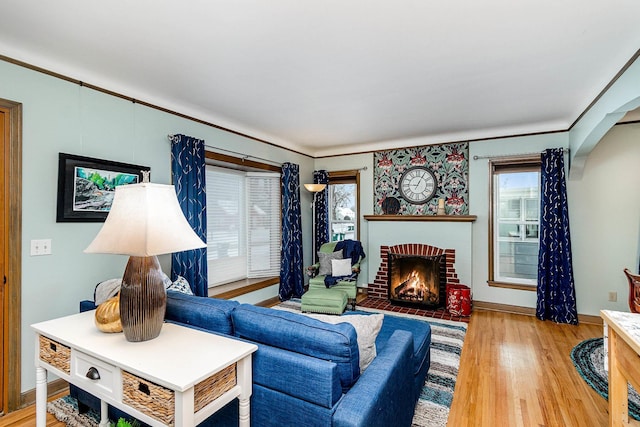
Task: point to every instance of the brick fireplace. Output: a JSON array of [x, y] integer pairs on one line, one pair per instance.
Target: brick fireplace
[[379, 288]]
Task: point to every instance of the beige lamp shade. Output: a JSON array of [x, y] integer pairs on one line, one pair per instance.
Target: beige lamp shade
[[315, 188], [145, 219]]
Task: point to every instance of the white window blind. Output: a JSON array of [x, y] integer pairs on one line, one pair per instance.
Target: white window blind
[[243, 225], [264, 224], [226, 229]]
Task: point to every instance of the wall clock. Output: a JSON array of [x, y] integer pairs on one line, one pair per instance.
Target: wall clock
[[417, 185]]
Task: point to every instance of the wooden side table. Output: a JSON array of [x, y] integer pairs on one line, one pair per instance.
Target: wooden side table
[[179, 378], [624, 363]]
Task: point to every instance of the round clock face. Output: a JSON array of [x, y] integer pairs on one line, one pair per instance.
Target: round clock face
[[417, 185]]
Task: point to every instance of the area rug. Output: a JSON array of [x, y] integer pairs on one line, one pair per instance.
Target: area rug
[[65, 409], [447, 338], [588, 358]]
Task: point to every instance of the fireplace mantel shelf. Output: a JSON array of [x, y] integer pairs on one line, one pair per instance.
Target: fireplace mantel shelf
[[449, 218]]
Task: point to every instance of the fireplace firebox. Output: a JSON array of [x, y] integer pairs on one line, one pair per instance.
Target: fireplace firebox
[[417, 281]]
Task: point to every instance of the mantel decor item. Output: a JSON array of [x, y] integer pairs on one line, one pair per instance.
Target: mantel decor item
[[315, 189], [144, 221], [86, 186]]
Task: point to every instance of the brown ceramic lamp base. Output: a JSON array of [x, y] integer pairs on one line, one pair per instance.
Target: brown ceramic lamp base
[[142, 299]]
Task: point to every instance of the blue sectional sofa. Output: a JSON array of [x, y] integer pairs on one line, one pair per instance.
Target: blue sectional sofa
[[306, 372]]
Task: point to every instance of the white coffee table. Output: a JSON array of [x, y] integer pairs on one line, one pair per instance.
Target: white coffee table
[[191, 374]]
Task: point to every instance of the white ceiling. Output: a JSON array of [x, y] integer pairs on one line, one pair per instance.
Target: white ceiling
[[331, 77]]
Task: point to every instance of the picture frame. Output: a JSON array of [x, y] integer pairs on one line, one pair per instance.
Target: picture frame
[[86, 186]]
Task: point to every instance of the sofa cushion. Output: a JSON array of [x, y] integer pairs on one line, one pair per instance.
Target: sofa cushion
[[301, 334], [207, 313]]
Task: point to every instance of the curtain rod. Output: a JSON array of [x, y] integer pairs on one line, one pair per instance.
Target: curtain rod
[[242, 155], [363, 168], [565, 150]]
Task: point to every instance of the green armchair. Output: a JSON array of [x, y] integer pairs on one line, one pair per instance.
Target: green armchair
[[346, 284]]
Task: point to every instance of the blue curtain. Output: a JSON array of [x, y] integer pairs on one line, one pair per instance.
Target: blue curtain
[[188, 173], [556, 289], [322, 209], [291, 272]]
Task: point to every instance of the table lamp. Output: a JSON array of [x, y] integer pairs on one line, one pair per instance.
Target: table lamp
[[145, 220]]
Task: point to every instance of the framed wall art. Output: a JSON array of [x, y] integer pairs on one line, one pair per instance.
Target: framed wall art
[[86, 186]]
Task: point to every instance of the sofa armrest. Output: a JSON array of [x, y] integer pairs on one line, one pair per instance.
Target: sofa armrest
[[383, 395], [312, 270], [293, 374], [86, 305], [356, 267]]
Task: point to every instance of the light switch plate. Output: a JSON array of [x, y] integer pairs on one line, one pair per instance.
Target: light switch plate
[[41, 247]]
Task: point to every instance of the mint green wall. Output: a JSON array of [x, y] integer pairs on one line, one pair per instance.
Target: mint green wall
[[59, 116]]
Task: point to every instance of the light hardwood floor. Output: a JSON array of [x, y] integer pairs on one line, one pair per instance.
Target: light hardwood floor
[[517, 371], [514, 371], [27, 417]]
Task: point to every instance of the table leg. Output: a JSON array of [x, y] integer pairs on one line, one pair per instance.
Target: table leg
[[41, 396], [245, 382], [618, 394], [184, 410], [104, 414]]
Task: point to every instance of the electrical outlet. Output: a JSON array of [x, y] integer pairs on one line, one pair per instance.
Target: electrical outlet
[[613, 296], [41, 247]]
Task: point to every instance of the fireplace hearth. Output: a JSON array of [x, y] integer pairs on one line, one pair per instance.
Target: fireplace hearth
[[417, 281]]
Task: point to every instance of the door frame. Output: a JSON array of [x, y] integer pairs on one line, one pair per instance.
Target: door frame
[[12, 252]]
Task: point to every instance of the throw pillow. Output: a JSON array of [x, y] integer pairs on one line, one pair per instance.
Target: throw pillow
[[166, 280], [341, 267], [367, 328], [325, 261], [106, 290], [181, 285]]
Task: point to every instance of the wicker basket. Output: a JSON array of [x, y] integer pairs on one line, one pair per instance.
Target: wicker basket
[[148, 397], [55, 354], [159, 402], [216, 385]]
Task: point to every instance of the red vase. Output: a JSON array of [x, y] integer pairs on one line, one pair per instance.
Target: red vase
[[459, 300]]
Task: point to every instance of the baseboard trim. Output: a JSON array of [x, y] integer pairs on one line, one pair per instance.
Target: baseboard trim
[[28, 398], [528, 311]]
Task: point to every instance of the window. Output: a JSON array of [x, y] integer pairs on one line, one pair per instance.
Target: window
[[515, 222], [344, 203], [243, 224]]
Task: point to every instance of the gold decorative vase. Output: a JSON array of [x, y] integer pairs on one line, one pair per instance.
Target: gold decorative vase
[[108, 315]]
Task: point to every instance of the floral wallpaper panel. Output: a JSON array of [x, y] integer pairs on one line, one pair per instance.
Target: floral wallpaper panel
[[448, 162]]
